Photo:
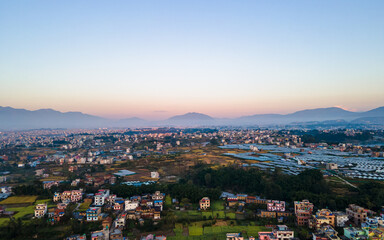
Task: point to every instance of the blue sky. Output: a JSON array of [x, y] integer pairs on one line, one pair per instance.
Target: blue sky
[[158, 58]]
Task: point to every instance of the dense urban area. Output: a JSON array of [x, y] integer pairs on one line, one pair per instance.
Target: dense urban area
[[192, 183]]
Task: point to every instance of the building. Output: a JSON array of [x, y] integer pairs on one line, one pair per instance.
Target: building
[[41, 210], [321, 218], [256, 200], [204, 203], [331, 166], [155, 175], [283, 232], [120, 221], [275, 206], [234, 236], [116, 234], [326, 232], [98, 235], [357, 214], [131, 205], [100, 197], [56, 197], [303, 212], [66, 196], [266, 214], [280, 232], [355, 233], [341, 218], [158, 196], [76, 195], [93, 214]]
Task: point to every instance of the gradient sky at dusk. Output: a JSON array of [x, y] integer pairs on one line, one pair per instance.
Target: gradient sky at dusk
[[154, 59]]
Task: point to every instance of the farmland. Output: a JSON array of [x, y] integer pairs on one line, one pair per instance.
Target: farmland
[[19, 200]]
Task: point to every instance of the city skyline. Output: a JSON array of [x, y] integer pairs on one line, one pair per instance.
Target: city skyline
[[159, 59]]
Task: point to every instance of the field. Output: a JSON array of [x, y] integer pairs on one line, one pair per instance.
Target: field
[[19, 200], [84, 206], [197, 231]]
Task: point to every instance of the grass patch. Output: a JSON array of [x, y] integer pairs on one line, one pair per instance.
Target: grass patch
[[84, 206], [195, 230], [19, 200]]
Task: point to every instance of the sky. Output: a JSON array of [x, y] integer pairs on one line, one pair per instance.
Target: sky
[[154, 59]]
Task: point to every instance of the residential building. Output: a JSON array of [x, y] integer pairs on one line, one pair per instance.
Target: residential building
[[131, 205], [40, 210], [56, 197], [322, 217], [303, 212], [93, 213], [275, 206], [283, 232], [331, 166], [116, 234], [280, 232], [234, 236], [204, 203], [357, 214], [100, 197], [341, 218], [355, 233], [266, 214], [325, 232], [76, 195]]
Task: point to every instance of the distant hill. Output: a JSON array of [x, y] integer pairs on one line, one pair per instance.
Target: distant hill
[[190, 119], [19, 119], [11, 118]]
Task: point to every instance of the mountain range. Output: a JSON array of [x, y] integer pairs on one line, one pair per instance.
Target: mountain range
[[22, 119]]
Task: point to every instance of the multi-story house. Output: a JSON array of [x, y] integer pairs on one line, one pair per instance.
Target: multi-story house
[[158, 196], [120, 221], [275, 206], [255, 199], [118, 205], [326, 232], [116, 234], [158, 203], [281, 232], [357, 214], [56, 197], [40, 210], [321, 218], [340, 218], [204, 203], [303, 212], [76, 195], [355, 233], [66, 196], [111, 199], [131, 205], [93, 213], [98, 235], [100, 197]]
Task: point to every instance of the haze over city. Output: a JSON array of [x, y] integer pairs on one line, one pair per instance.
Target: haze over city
[[156, 59]]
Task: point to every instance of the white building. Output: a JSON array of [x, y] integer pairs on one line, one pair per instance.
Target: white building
[[155, 175], [340, 218], [40, 210], [100, 197], [131, 205]]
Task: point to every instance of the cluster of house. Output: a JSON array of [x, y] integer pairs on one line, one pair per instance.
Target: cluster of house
[[56, 213], [274, 208], [322, 222], [279, 232], [147, 206]]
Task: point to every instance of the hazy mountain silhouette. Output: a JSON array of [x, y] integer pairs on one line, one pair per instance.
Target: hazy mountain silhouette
[[18, 119]]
